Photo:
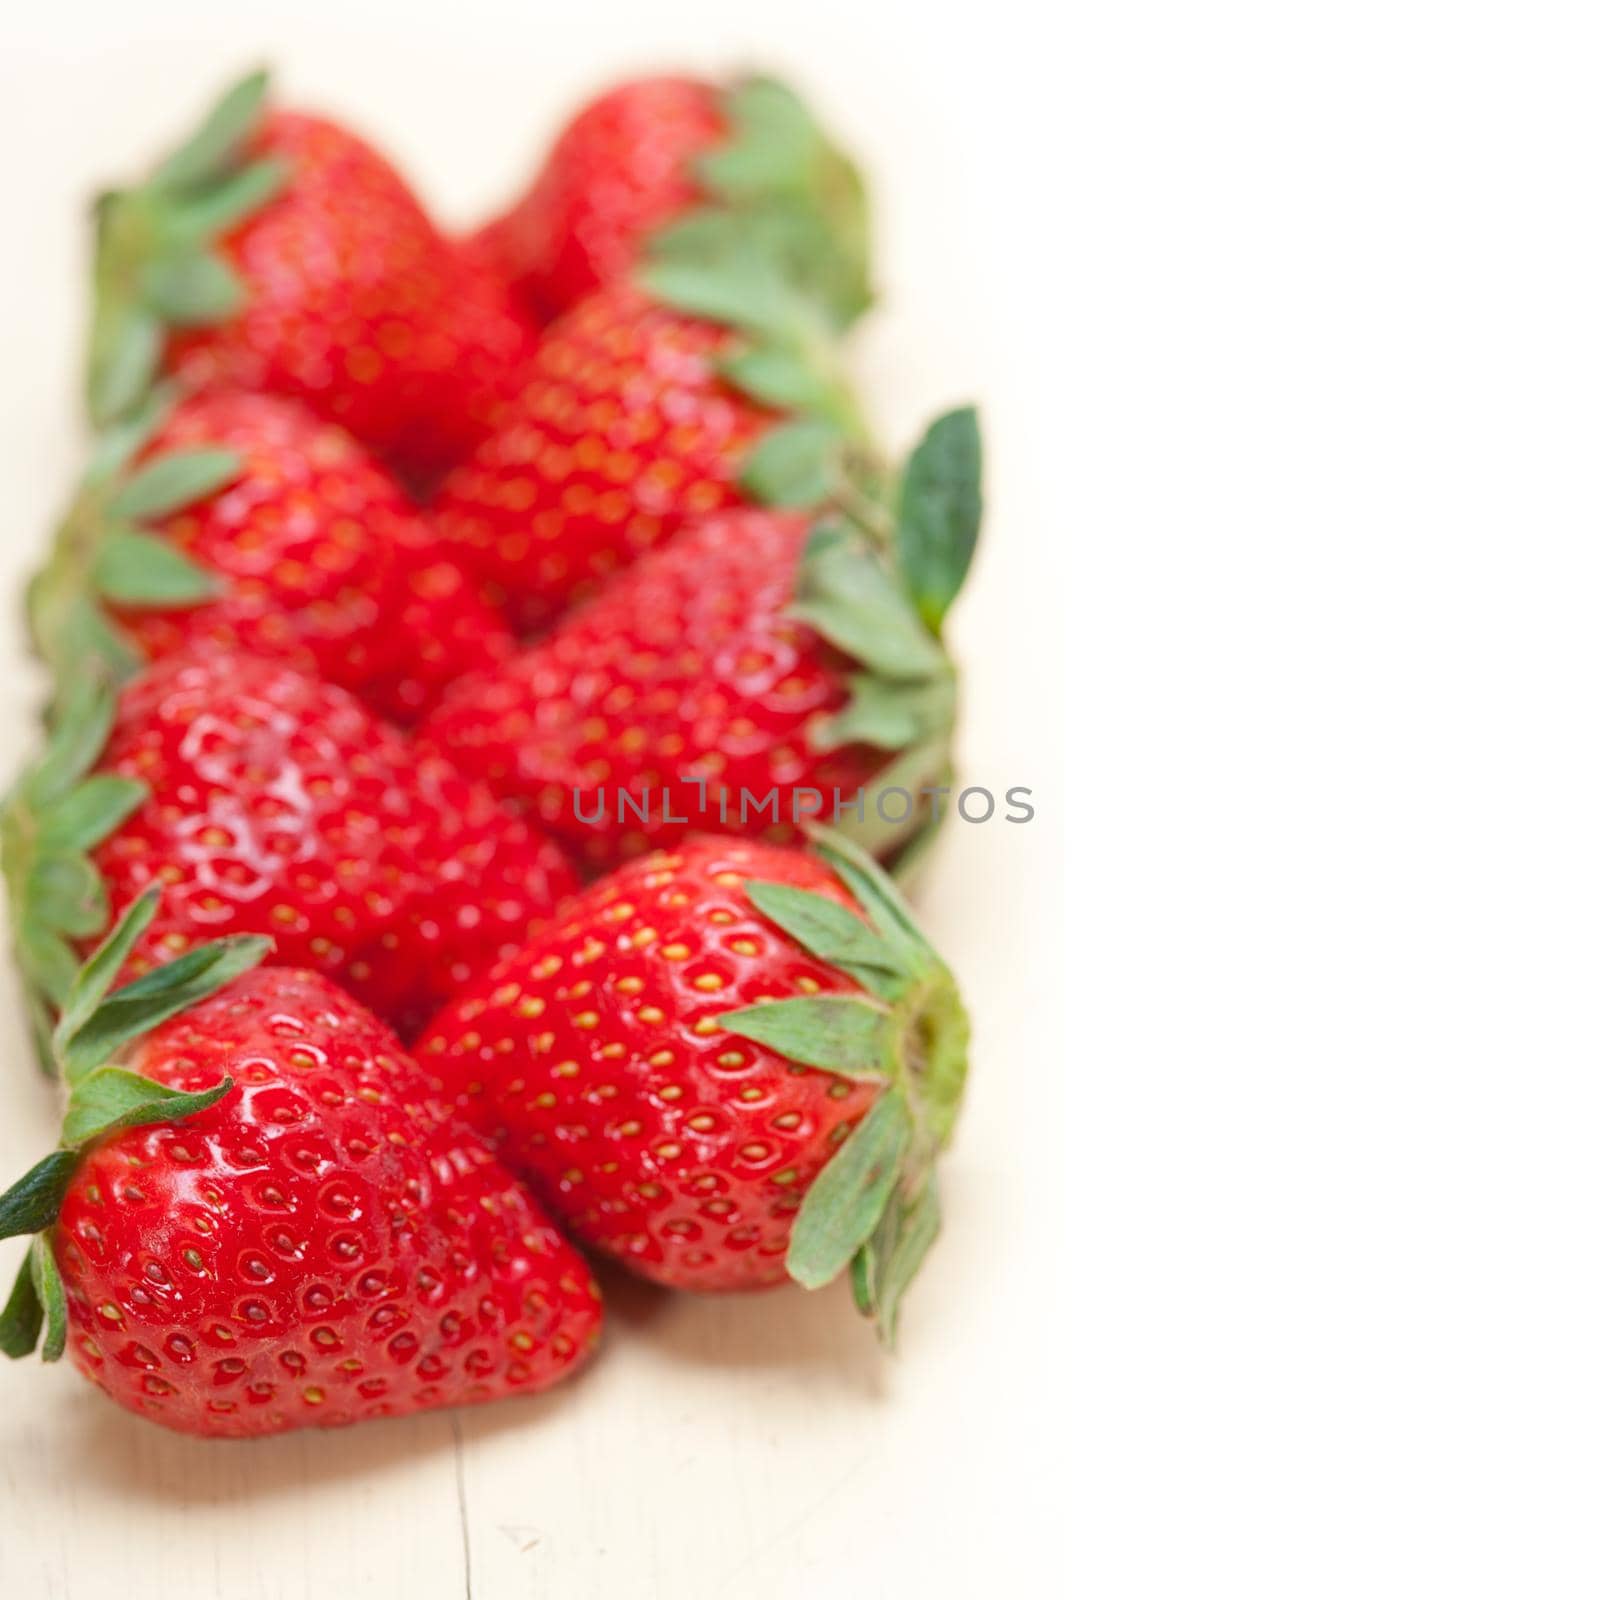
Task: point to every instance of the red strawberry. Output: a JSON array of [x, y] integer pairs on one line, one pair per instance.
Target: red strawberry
[[660, 166], [265, 801], [684, 682], [714, 1069], [264, 1215], [620, 170], [699, 370], [247, 523], [625, 431], [501, 879], [743, 676], [280, 252]]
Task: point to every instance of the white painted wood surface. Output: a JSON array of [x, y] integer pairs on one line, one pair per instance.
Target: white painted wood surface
[[718, 1447]]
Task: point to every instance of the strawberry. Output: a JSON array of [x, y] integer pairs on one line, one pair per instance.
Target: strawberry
[[725, 1066], [752, 671], [267, 802], [701, 373], [245, 522], [657, 154], [276, 251], [500, 879], [621, 169], [626, 430], [263, 1215]]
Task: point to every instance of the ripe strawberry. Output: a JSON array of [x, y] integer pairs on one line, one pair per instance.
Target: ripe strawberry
[[654, 154], [276, 251], [264, 801], [745, 674], [621, 169], [714, 1069], [263, 1215], [626, 430], [701, 370], [245, 522], [500, 880]]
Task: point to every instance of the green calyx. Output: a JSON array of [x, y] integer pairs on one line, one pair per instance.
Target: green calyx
[[785, 357], [877, 587], [938, 512], [778, 253], [787, 182], [779, 188], [53, 818], [873, 1210], [109, 553], [156, 264], [96, 1023]]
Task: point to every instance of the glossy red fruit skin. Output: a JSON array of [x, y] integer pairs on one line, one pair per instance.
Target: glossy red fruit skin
[[621, 169], [685, 672], [500, 880], [322, 559], [358, 306], [596, 1058], [280, 805], [325, 1244], [625, 432]]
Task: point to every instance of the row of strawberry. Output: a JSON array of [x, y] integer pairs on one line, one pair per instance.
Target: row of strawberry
[[748, 1080]]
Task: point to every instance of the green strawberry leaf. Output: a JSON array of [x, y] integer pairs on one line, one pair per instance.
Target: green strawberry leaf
[[139, 569], [102, 557], [214, 210], [75, 637], [51, 1295], [882, 1269], [155, 267], [173, 481], [774, 145], [49, 823], [841, 1033], [163, 992], [112, 1098], [39, 1006], [861, 1279], [844, 593], [781, 378], [888, 715], [794, 464], [47, 962], [91, 812], [783, 183], [23, 1317], [934, 1052], [917, 770], [766, 265], [31, 1203], [94, 978], [884, 905], [120, 441], [81, 728], [192, 289], [941, 507], [703, 239], [67, 893], [831, 934], [848, 1196], [124, 356], [739, 290], [914, 850], [217, 142]]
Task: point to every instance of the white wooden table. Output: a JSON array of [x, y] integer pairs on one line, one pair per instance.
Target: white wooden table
[[730, 1447]]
